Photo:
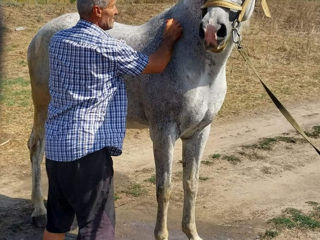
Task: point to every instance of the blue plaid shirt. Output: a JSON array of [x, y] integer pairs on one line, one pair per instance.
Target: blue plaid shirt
[[88, 106]]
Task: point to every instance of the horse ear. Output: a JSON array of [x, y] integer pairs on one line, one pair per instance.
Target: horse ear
[[249, 10]]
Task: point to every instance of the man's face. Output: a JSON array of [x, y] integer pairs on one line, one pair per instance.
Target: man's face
[[107, 15]]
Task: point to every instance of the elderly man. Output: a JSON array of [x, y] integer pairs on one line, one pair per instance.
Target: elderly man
[[86, 117]]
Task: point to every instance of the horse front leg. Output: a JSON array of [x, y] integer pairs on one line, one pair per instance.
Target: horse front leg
[[163, 144], [192, 150], [36, 149]]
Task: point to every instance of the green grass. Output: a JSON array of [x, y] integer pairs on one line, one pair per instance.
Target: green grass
[[135, 190], [315, 132], [116, 197], [15, 92], [151, 179], [268, 143], [207, 162], [270, 234], [216, 156], [203, 178], [294, 218], [231, 159]]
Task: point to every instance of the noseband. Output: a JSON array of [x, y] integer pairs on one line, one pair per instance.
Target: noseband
[[236, 24]]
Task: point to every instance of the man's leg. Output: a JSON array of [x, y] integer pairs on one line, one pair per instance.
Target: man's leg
[[60, 213], [52, 236], [91, 196]]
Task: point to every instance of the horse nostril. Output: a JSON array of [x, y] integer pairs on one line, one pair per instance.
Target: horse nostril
[[222, 32], [201, 31]]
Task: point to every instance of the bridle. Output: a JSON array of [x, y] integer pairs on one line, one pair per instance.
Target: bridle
[[235, 36]]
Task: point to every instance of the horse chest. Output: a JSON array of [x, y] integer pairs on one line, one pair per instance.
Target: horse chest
[[202, 102]]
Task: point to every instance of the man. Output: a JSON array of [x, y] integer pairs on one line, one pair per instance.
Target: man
[[86, 117]]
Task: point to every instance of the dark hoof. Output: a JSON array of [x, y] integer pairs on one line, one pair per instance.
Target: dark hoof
[[39, 221]]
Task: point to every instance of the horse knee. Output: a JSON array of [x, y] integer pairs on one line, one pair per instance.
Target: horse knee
[[164, 192], [191, 186]]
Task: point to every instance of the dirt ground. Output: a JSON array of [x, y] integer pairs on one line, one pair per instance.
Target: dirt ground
[[236, 197], [234, 201]]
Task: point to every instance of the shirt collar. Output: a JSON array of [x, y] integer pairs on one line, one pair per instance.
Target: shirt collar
[[93, 27]]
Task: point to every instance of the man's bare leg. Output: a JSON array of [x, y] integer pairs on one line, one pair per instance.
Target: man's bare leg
[[52, 236]]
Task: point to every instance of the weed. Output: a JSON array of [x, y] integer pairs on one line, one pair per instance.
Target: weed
[[231, 159], [283, 222], [151, 179], [294, 218], [270, 234], [266, 170], [312, 203], [206, 162], [252, 155], [135, 190], [306, 221], [287, 139], [116, 197], [203, 178], [216, 156], [266, 143], [315, 132]]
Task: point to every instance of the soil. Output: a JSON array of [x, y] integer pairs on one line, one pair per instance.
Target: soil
[[235, 199]]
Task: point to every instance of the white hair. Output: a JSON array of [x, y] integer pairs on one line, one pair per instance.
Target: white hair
[[85, 6]]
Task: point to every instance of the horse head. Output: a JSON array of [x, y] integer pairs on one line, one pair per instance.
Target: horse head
[[221, 22]]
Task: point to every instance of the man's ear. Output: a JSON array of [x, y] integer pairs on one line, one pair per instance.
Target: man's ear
[[96, 11]]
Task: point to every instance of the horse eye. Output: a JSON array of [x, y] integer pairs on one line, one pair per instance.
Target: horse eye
[[204, 11]]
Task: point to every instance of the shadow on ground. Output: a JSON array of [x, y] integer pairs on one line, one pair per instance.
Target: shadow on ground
[[15, 223], [132, 224]]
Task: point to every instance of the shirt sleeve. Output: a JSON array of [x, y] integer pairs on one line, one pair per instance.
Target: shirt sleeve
[[130, 61]]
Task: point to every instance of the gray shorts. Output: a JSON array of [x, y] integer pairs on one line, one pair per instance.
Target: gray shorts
[[82, 188]]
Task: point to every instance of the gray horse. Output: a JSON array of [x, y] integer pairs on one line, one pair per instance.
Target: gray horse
[[180, 103]]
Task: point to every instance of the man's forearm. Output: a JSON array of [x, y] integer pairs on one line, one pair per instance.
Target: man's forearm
[[161, 57]]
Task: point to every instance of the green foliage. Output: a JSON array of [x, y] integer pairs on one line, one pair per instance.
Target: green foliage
[[206, 162], [231, 159], [294, 218], [282, 222], [15, 92], [312, 203], [268, 143], [315, 132], [216, 156], [135, 190], [151, 179], [203, 178], [270, 234], [116, 197]]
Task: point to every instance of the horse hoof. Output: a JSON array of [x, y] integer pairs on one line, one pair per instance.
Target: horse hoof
[[39, 221]]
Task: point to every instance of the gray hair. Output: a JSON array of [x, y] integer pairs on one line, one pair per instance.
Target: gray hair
[[85, 6]]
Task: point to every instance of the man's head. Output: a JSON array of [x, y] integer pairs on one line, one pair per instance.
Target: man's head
[[99, 12]]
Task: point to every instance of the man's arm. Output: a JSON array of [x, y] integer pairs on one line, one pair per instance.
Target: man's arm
[[161, 57]]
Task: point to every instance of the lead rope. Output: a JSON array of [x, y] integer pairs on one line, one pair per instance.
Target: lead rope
[[274, 99]]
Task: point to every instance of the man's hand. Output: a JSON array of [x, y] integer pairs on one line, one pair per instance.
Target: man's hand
[[161, 57], [173, 30]]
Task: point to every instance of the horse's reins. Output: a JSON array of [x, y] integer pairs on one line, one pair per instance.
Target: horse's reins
[[236, 39]]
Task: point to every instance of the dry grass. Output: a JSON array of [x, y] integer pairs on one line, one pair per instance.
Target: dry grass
[[285, 50]]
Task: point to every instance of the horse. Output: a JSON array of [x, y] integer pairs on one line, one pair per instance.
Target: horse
[[180, 102]]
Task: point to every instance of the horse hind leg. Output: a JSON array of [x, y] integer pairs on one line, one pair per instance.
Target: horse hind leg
[[36, 149], [192, 152]]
